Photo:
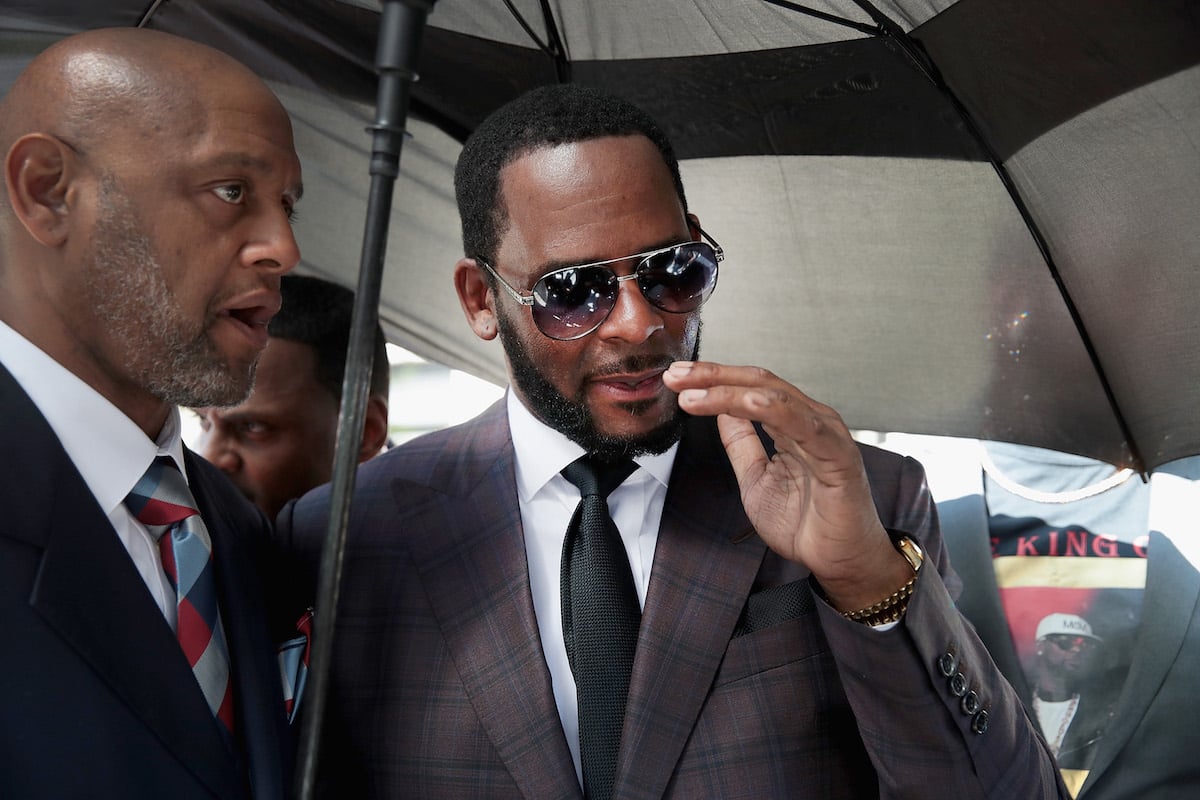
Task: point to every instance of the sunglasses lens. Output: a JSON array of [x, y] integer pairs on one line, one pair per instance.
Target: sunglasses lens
[[573, 302], [680, 279], [1069, 643]]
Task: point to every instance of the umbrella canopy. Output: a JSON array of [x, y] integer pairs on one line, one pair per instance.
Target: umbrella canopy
[[972, 218]]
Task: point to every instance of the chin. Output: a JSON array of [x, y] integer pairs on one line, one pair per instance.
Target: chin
[[646, 439]]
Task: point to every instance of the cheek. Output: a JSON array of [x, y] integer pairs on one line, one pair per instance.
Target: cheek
[[197, 280], [563, 364], [276, 469], [556, 362], [683, 329]]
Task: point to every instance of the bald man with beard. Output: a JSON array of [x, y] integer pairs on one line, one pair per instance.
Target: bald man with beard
[[149, 184]]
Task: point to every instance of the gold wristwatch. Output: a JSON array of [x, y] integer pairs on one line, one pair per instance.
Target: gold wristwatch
[[911, 551], [892, 607]]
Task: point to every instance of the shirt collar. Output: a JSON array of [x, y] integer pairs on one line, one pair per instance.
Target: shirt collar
[[108, 448], [542, 452]]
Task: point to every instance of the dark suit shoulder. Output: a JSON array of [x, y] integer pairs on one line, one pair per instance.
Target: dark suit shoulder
[[442, 462], [442, 458]]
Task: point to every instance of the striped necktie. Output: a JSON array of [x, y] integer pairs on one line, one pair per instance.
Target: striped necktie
[[163, 503]]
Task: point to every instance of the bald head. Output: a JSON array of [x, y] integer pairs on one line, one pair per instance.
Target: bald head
[[149, 183], [122, 87]]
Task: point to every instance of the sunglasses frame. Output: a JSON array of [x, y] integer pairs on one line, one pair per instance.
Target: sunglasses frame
[[530, 300], [1070, 643]]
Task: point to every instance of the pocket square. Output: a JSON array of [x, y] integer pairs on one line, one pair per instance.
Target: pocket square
[[293, 665], [777, 604]]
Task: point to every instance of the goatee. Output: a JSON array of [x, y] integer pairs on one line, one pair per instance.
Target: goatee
[[570, 416]]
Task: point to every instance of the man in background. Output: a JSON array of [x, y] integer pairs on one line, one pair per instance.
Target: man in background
[[1037, 535], [149, 187], [280, 442], [1065, 654]]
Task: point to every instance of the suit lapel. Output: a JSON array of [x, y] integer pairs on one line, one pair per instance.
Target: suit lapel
[[1169, 605], [89, 592], [470, 554], [704, 567]]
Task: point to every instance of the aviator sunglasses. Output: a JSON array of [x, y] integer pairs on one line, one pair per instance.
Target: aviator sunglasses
[[572, 302], [1068, 643]]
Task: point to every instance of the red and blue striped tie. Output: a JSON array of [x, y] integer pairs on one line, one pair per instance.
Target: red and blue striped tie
[[163, 503]]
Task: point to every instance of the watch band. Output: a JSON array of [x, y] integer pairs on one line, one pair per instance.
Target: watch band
[[892, 607]]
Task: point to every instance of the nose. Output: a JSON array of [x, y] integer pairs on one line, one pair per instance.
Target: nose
[[633, 319], [218, 450], [273, 246]]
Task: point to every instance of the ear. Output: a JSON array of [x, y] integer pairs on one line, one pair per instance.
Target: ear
[[476, 298], [694, 226], [375, 428], [39, 172]]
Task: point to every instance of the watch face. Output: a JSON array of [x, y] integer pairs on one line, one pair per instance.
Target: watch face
[[909, 549]]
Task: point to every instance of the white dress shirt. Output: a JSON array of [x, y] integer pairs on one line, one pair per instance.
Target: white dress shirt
[[547, 502], [108, 449]]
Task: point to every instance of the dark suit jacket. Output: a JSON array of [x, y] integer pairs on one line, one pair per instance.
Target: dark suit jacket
[[1149, 750], [744, 684], [96, 697]]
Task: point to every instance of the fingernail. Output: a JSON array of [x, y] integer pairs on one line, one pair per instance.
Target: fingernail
[[681, 367], [688, 395]]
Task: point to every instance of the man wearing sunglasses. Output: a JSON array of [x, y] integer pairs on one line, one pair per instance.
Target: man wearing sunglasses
[[1066, 666], [793, 632]]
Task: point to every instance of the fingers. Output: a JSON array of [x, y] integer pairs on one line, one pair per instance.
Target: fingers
[[743, 447], [799, 425]]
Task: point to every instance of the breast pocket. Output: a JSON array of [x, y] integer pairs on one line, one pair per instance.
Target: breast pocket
[[778, 626]]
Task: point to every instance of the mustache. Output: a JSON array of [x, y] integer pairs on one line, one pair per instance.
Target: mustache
[[632, 364]]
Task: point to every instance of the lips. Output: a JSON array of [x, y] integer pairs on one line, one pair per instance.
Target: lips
[[250, 313], [631, 385]]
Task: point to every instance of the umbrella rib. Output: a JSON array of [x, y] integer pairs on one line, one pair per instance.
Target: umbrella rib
[[148, 13], [528, 30], [562, 65], [812, 12], [916, 52], [553, 47]]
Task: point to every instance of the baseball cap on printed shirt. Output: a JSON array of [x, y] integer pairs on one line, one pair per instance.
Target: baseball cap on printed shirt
[[1068, 624]]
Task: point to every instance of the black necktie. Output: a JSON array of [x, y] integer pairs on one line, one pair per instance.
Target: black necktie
[[601, 617]]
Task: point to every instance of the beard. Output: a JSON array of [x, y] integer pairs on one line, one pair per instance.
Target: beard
[[571, 417], [152, 342]]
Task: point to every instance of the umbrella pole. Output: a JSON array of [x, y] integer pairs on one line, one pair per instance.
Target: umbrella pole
[[401, 26]]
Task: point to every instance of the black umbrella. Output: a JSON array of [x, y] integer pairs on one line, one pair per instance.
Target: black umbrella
[[972, 218]]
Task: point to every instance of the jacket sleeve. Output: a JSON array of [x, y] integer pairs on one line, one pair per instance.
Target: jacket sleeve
[[934, 712]]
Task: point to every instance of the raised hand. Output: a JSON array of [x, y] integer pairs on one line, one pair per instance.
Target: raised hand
[[810, 502]]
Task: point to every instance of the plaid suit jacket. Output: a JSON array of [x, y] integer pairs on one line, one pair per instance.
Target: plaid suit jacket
[[744, 684]]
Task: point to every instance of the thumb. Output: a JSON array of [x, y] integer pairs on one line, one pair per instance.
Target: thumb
[[742, 445]]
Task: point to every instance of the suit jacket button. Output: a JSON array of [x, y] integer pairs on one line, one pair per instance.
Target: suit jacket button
[[971, 703], [958, 684], [980, 723], [947, 663]]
